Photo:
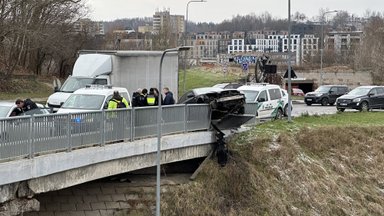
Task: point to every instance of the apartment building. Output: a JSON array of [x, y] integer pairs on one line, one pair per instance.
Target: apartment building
[[163, 19], [341, 41], [87, 25]]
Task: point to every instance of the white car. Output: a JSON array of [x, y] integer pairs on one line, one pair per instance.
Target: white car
[[6, 108], [270, 99], [91, 98]]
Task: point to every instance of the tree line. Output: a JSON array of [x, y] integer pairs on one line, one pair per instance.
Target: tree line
[[41, 37]]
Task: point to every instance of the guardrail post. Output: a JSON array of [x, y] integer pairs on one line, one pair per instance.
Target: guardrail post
[[186, 113], [132, 124], [69, 132], [31, 137], [102, 128]]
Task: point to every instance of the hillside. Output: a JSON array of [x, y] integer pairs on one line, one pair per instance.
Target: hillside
[[322, 165]]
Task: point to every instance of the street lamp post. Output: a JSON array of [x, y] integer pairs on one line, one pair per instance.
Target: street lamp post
[[159, 115], [322, 45], [289, 63], [185, 39]]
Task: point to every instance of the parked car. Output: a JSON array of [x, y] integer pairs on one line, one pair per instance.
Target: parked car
[[326, 94], [362, 98], [297, 92], [270, 99], [6, 108], [8, 122], [91, 98]]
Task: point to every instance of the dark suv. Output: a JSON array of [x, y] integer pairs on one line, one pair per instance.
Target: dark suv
[[326, 94], [362, 98]]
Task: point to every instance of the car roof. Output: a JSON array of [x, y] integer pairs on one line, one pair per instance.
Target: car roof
[[100, 90], [7, 103], [257, 87], [368, 86], [205, 90]]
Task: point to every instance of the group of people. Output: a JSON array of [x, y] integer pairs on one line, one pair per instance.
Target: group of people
[[144, 98], [23, 106]]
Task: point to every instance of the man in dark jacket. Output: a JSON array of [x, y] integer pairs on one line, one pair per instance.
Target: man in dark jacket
[[168, 100]]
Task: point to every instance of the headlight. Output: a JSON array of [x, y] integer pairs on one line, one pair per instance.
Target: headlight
[[356, 100]]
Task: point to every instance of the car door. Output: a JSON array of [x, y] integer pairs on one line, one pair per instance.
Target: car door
[[333, 94], [275, 101], [373, 99], [380, 92], [263, 104]]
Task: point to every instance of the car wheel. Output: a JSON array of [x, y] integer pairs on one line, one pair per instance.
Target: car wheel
[[341, 109], [286, 110], [324, 102], [279, 114], [364, 107], [309, 104]]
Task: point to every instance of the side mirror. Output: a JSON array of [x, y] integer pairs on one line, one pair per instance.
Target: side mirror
[[56, 89], [370, 94], [261, 100]]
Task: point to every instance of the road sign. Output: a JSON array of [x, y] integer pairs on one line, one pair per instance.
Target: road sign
[[245, 66]]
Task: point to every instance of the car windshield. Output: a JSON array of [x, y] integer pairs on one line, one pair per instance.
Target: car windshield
[[84, 101], [359, 91], [323, 89], [250, 96], [4, 111], [74, 83]]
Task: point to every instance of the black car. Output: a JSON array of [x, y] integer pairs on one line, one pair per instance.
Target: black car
[[326, 94], [362, 98]]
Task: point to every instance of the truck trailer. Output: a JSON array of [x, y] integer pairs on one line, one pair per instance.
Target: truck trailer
[[128, 69]]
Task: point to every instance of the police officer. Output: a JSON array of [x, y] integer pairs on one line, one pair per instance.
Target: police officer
[[117, 101]]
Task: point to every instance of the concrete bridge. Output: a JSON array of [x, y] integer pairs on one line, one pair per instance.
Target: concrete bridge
[[44, 153]]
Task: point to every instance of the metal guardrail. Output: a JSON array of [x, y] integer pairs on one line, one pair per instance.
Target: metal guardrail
[[29, 136]]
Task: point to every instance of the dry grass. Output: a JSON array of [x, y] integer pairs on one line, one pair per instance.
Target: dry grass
[[330, 170]]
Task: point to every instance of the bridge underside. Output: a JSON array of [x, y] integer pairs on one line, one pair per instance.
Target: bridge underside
[[23, 178]]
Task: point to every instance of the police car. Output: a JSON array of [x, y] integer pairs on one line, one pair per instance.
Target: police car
[[91, 98], [271, 99]]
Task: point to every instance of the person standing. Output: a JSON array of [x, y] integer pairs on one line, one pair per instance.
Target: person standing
[[117, 101], [117, 119], [168, 100]]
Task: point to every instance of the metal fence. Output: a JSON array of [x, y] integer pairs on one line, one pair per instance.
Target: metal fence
[[29, 136]]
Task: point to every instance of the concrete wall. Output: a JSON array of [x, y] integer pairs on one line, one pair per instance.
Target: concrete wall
[[340, 75]]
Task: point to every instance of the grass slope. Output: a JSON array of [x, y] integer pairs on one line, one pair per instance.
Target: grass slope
[[24, 88], [200, 77], [322, 165]]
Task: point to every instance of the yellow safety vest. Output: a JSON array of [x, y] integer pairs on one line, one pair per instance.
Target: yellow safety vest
[[151, 100]]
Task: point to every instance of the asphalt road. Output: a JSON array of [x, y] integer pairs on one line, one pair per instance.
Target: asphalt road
[[302, 108]]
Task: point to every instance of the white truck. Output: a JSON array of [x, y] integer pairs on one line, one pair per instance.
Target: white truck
[[128, 69]]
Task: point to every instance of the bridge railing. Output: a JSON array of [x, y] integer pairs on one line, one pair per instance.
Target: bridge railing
[[29, 136]]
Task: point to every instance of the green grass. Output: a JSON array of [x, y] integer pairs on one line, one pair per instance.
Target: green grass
[[196, 78], [23, 88]]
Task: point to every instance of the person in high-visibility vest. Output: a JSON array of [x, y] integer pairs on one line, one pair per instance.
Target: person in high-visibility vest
[[151, 98]]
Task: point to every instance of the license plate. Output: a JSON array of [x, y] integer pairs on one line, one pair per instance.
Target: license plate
[[343, 104], [309, 99]]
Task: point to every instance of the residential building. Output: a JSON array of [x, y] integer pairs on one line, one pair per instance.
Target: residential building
[[145, 29], [341, 41], [89, 26], [163, 19]]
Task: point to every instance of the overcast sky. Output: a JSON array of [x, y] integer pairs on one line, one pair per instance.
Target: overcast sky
[[219, 10]]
